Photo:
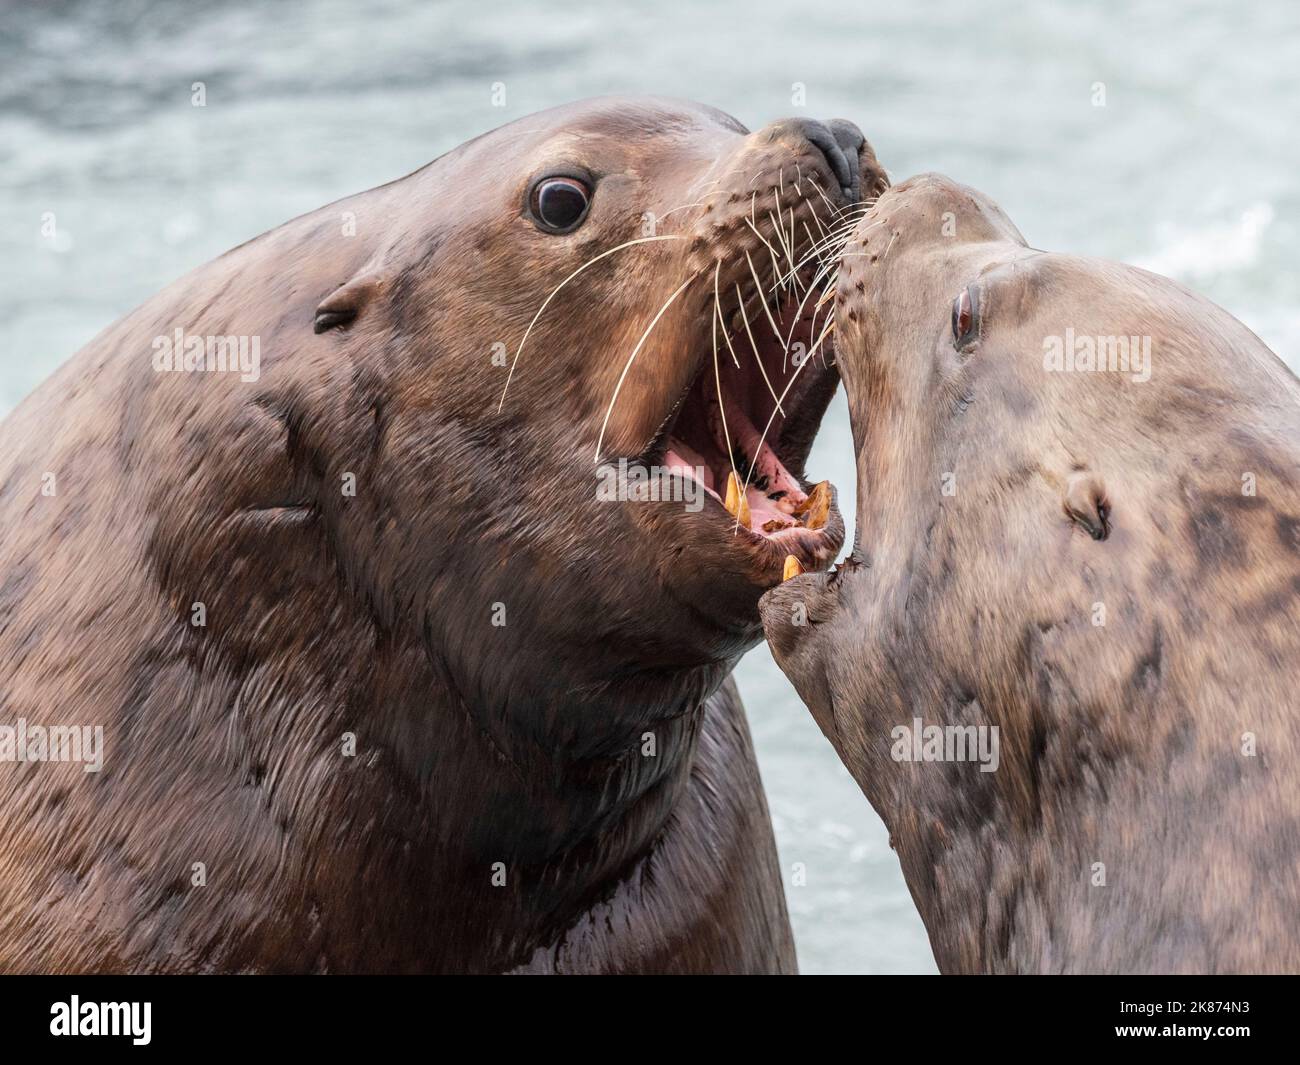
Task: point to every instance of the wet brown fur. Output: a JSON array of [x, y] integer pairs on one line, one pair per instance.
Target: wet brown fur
[[329, 614]]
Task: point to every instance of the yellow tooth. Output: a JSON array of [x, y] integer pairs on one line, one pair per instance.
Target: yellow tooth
[[792, 568], [742, 515], [733, 493], [737, 505], [817, 507]]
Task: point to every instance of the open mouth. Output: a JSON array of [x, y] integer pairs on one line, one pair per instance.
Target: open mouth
[[743, 428]]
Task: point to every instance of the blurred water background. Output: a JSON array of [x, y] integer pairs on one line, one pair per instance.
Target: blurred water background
[[1189, 168]]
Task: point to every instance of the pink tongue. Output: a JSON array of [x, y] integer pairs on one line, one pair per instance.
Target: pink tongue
[[689, 463], [765, 463]]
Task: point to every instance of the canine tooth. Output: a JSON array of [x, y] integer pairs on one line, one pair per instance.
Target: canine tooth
[[792, 568], [817, 507], [800, 508], [733, 493], [736, 503]]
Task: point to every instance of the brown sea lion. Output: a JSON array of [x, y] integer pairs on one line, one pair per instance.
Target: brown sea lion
[[1062, 659], [385, 683]]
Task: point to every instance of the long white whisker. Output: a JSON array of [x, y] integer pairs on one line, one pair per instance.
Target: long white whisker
[[780, 232], [825, 266], [759, 285], [824, 270], [779, 225], [518, 351], [812, 241], [776, 263], [757, 357], [817, 185], [717, 313], [632, 358], [794, 245], [837, 240], [717, 376], [772, 417], [817, 218], [760, 236], [680, 207]]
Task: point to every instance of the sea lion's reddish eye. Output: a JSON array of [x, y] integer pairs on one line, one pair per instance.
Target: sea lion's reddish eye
[[559, 204], [965, 317]]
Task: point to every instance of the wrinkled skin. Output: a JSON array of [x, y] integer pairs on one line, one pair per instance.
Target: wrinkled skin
[[372, 613], [1123, 672]]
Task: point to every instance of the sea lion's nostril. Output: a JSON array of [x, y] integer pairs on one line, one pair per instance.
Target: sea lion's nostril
[[850, 139], [823, 137]]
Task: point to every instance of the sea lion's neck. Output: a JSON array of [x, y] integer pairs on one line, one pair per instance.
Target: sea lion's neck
[[457, 811], [1085, 851], [469, 728], [994, 890]]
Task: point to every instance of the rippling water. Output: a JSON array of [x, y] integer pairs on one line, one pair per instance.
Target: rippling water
[[1189, 168]]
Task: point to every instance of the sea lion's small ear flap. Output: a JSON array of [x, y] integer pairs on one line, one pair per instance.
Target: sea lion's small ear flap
[[1087, 504], [343, 305]]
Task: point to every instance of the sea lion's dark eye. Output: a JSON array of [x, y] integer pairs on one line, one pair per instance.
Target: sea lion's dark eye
[[559, 204], [966, 317]]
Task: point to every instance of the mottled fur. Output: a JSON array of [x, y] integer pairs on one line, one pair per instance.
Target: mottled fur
[[1121, 743]]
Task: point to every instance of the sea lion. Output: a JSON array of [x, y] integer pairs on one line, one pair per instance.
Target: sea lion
[[385, 682], [1062, 658]]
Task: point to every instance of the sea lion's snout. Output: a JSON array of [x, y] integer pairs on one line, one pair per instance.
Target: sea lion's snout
[[727, 387], [843, 144]]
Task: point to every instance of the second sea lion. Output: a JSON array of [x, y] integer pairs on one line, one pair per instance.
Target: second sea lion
[[1062, 659]]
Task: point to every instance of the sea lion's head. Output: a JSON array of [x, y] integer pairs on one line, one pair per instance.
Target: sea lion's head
[[1051, 454], [553, 309]]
